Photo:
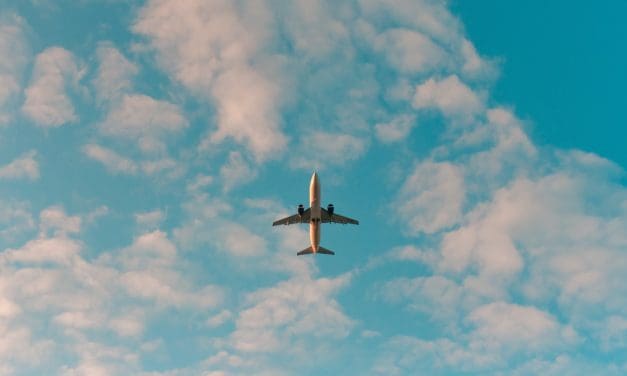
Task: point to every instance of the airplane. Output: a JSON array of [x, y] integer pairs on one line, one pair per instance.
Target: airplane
[[315, 216]]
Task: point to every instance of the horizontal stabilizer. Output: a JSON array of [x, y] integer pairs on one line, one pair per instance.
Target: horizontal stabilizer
[[325, 251], [322, 250], [305, 251]]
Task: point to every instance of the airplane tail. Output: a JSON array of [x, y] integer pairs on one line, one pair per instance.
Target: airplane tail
[[305, 251], [325, 251], [309, 250]]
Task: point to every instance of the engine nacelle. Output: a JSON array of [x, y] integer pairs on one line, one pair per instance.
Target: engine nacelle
[[301, 209], [330, 209]]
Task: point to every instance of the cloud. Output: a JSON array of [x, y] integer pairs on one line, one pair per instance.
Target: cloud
[[436, 296], [278, 317], [246, 103], [219, 319], [522, 328], [140, 116], [16, 220], [409, 51], [450, 96], [115, 74], [150, 220], [431, 198], [44, 250], [320, 149], [88, 299], [54, 218], [239, 240], [15, 51], [47, 102], [246, 95], [395, 130], [236, 171], [112, 160], [24, 167]]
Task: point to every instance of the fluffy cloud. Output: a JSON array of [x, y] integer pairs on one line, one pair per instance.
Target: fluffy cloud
[[409, 51], [279, 317], [112, 160], [321, 149], [396, 129], [47, 102], [51, 276], [24, 167], [15, 221], [431, 198], [236, 171], [150, 220], [450, 96], [501, 324], [246, 95], [115, 73], [139, 116]]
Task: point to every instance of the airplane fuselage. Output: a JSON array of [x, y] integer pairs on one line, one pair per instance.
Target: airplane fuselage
[[316, 213]]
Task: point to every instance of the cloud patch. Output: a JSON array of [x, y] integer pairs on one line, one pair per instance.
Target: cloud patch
[[47, 101], [24, 167]]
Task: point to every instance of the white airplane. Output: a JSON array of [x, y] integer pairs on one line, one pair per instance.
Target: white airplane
[[315, 216]]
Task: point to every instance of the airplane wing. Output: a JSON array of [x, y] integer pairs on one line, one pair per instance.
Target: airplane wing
[[296, 218], [336, 218]]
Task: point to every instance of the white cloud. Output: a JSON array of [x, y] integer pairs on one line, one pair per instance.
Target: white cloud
[[219, 319], [54, 218], [24, 167], [110, 159], [473, 64], [277, 317], [427, 17], [246, 95], [236, 171], [521, 328], [395, 130], [128, 325], [410, 51], [320, 149], [45, 250], [77, 320], [115, 74], [431, 198], [239, 240], [199, 182], [150, 220], [15, 220], [153, 248], [152, 167], [8, 309], [450, 96], [47, 102], [437, 296], [150, 273], [139, 116], [118, 292], [316, 29], [15, 54], [246, 102]]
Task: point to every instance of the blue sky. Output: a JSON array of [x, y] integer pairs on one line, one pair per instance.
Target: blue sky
[[146, 147]]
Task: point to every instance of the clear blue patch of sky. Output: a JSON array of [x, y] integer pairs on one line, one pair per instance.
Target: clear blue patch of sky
[[563, 67]]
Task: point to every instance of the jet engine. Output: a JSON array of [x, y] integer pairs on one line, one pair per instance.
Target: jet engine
[[301, 209], [330, 209]]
